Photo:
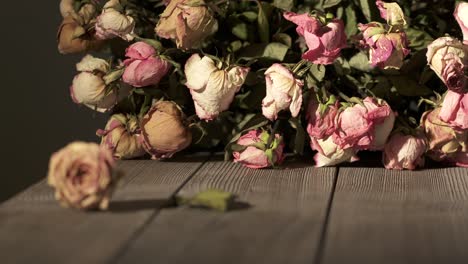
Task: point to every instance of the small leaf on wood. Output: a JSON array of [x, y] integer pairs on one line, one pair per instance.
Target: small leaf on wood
[[211, 199]]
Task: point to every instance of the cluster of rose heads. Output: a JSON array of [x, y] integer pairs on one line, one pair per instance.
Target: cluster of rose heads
[[262, 80]]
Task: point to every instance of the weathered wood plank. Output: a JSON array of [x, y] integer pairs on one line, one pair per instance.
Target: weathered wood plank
[[33, 228], [381, 216], [282, 225]]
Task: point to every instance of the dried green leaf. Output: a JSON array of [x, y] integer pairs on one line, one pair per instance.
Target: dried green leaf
[[210, 199]]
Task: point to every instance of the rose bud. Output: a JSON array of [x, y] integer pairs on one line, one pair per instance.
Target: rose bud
[[321, 117], [387, 50], [256, 151], [392, 13], [112, 23], [82, 175], [143, 66], [330, 154], [364, 126], [72, 37], [404, 152], [89, 87], [454, 110], [324, 41], [164, 130], [122, 137], [212, 88], [448, 58], [283, 91], [445, 143], [461, 16], [188, 22]]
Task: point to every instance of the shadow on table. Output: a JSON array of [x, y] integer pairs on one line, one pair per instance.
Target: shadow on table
[[137, 205]]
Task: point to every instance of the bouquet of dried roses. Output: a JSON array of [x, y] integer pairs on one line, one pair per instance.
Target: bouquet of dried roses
[[259, 79]]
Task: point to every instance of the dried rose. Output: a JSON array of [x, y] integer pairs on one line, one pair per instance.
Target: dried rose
[[364, 126], [386, 49], [89, 87], [212, 88], [112, 23], [122, 136], [404, 152], [164, 130], [330, 154], [324, 40], [448, 58], [188, 22], [143, 66], [82, 175], [256, 153], [454, 110], [72, 36], [283, 91], [445, 143], [461, 16], [321, 117], [392, 13]]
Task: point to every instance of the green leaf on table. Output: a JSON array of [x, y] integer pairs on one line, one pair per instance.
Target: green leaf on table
[[330, 3], [211, 199]]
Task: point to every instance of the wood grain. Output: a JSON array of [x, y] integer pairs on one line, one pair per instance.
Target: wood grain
[[33, 228], [282, 224], [381, 216]]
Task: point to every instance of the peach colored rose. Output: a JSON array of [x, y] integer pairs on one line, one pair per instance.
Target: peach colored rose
[[82, 175], [89, 87], [113, 23], [445, 143], [122, 136], [404, 152], [330, 154], [164, 130], [188, 22], [284, 91], [448, 58], [212, 87], [256, 153]]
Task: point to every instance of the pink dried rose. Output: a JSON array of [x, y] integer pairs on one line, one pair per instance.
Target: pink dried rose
[[73, 35], [122, 136], [113, 23], [454, 110], [448, 58], [283, 91], [404, 152], [143, 66], [392, 13], [445, 143], [256, 151], [188, 22], [82, 175], [387, 50], [330, 154], [364, 126], [164, 130], [212, 87], [89, 87], [321, 117], [324, 41], [461, 15]]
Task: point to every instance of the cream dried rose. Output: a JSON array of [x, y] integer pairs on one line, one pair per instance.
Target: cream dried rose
[[83, 176]]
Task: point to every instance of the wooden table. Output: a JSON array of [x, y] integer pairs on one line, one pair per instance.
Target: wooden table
[[299, 214]]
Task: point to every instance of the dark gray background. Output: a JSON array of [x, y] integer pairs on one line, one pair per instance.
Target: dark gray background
[[38, 116]]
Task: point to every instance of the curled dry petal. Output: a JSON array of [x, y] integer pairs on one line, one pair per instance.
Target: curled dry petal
[[330, 154]]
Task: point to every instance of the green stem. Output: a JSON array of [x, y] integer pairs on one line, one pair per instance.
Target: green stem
[[273, 132]]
